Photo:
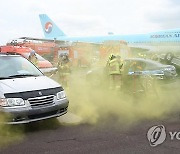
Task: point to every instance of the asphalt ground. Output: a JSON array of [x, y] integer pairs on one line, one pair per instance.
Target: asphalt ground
[[108, 137]]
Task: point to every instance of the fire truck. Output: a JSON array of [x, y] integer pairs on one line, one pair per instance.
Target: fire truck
[[81, 54], [47, 50], [44, 65], [77, 52]]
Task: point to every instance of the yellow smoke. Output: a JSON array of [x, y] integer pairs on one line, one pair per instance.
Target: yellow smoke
[[97, 103], [9, 133]]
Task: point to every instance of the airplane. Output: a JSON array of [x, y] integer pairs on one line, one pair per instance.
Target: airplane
[[167, 40]]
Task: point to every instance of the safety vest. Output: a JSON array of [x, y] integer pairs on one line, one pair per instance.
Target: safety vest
[[114, 67], [64, 68]]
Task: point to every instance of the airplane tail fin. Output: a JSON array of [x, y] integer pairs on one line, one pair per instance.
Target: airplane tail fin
[[50, 29]]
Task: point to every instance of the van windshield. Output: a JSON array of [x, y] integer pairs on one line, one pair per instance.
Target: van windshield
[[17, 66]]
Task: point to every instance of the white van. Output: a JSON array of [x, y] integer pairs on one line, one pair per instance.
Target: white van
[[26, 94]]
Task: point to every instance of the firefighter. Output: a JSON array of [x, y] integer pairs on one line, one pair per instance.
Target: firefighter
[[33, 58], [136, 66], [64, 69], [114, 65]]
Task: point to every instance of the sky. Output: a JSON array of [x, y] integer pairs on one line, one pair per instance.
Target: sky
[[20, 18]]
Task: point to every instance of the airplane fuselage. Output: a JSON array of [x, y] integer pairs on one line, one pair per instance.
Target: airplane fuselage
[[165, 40]]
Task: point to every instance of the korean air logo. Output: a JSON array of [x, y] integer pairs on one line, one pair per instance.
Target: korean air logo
[[48, 27], [156, 135]]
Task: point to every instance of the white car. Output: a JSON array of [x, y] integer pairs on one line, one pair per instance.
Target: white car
[[26, 94]]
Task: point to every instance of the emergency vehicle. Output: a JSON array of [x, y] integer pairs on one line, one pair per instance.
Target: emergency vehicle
[[44, 65]]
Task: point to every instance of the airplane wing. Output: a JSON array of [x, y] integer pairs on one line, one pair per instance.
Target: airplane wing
[[40, 39], [55, 41]]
